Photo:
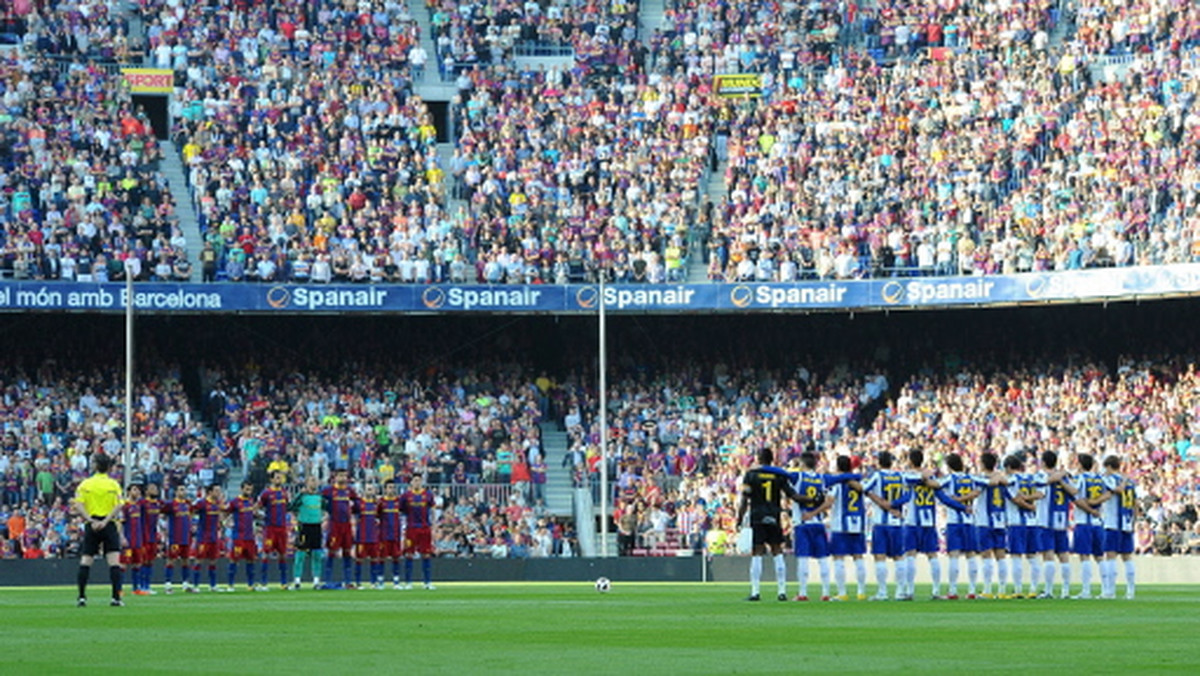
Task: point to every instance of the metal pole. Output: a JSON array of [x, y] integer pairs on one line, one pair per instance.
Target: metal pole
[[603, 423], [128, 455]]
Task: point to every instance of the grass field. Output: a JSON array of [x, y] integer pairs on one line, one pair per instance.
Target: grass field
[[560, 628]]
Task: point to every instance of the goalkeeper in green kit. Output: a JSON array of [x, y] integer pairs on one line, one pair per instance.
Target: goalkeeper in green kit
[[309, 515]]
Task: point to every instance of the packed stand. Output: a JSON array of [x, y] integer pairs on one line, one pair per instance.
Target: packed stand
[[83, 198], [474, 35], [73, 31], [365, 205]]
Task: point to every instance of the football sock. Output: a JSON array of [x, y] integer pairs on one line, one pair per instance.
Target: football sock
[[147, 573], [408, 571], [903, 565], [358, 572], [860, 576], [1035, 575], [1048, 577], [1018, 575], [756, 566], [346, 565], [1002, 575], [780, 573], [212, 575], [169, 574], [953, 572], [427, 569], [114, 576], [195, 576], [298, 564], [989, 572], [232, 574], [839, 576], [327, 568], [802, 574], [1130, 584], [395, 570], [250, 574], [282, 572], [823, 567], [972, 573], [1064, 570], [262, 573], [82, 580], [935, 571], [1085, 577], [881, 577], [318, 564]]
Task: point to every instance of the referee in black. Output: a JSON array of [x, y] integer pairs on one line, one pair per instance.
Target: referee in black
[[98, 501]]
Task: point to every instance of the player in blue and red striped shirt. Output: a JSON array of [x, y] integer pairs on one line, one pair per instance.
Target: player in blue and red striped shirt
[[244, 547], [151, 509], [366, 510], [417, 506], [390, 531], [208, 536], [339, 502], [274, 501], [131, 513], [179, 538]]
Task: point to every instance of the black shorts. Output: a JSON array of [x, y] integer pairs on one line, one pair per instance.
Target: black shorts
[[309, 538], [108, 539], [767, 534]]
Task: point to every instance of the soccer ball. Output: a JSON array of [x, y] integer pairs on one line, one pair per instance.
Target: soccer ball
[[602, 584]]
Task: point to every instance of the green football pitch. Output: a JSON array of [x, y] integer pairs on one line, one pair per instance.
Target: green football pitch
[[467, 628]]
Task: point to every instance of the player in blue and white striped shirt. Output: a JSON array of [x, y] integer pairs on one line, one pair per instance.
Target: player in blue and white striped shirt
[[1118, 506], [1022, 530], [1053, 515], [810, 537], [889, 491], [960, 526], [847, 523], [1088, 540]]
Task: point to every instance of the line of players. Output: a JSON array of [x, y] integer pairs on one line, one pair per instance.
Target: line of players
[[368, 529], [1001, 519]]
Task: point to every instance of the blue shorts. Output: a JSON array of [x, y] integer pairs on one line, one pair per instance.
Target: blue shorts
[[1089, 540], [887, 541], [987, 539], [1054, 541], [1118, 542], [922, 539], [847, 544], [811, 540], [1018, 540], [960, 537]]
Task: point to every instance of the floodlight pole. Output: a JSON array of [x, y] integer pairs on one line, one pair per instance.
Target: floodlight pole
[[128, 454], [603, 422]]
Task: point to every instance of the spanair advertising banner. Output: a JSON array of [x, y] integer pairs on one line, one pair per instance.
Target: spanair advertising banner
[[830, 295]]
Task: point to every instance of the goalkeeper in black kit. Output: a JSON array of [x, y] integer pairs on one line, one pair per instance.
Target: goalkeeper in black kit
[[762, 490]]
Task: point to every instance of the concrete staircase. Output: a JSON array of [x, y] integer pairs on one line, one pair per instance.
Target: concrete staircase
[[714, 191], [430, 87], [652, 16], [172, 168], [558, 478]]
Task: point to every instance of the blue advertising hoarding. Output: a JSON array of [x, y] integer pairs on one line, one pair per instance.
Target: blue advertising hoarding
[[848, 295]]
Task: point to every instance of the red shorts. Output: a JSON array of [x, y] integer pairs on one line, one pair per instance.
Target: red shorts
[[175, 552], [275, 540], [390, 549], [33, 553], [367, 550], [418, 541], [149, 552], [209, 551], [341, 537], [131, 556], [243, 550]]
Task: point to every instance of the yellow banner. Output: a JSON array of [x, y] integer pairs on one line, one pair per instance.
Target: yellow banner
[[738, 84], [150, 80]]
